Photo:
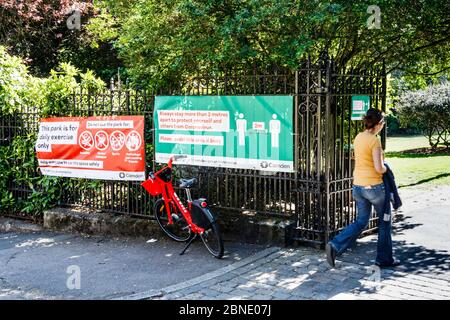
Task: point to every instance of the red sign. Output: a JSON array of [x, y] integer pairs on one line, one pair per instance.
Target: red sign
[[110, 148]]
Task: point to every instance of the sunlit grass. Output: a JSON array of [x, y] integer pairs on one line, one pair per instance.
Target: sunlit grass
[[395, 144], [416, 170]]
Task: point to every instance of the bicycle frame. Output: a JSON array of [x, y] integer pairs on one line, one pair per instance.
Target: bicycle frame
[[159, 186]]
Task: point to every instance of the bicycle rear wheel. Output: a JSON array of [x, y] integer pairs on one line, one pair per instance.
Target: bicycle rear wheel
[[213, 240], [179, 230]]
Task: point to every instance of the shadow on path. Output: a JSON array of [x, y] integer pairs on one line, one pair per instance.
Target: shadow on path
[[442, 175]]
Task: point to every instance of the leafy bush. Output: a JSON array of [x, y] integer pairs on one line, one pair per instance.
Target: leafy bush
[[428, 110], [49, 97], [62, 83], [392, 124], [18, 164], [14, 80]]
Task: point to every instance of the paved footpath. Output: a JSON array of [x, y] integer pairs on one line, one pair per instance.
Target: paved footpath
[[35, 265], [41, 264], [421, 241], [299, 274]]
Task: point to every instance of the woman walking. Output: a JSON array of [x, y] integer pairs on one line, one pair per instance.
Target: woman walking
[[368, 190]]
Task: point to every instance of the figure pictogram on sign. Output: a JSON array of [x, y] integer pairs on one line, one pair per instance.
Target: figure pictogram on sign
[[358, 105], [85, 140], [274, 129], [101, 140], [117, 140], [133, 141], [241, 128]]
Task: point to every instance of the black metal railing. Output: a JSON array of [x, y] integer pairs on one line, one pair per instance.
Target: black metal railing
[[317, 197]]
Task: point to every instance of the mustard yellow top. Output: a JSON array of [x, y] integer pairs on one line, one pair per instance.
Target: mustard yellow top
[[364, 173]]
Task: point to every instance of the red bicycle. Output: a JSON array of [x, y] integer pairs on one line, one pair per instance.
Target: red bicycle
[[178, 222]]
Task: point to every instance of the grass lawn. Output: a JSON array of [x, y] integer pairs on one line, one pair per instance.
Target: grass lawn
[[402, 143], [411, 169]]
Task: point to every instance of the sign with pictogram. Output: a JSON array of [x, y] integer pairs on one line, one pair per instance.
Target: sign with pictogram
[[360, 105], [109, 148], [245, 132]]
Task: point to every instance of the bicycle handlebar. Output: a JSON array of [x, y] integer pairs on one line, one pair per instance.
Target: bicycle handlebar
[[179, 156], [175, 157]]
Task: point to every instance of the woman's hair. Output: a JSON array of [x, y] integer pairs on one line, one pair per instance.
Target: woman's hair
[[372, 118]]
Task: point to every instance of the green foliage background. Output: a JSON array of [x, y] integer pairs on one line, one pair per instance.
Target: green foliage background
[[163, 40], [159, 42], [428, 110], [18, 164]]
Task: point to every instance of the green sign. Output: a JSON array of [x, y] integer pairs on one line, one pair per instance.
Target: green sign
[[360, 105], [247, 132]]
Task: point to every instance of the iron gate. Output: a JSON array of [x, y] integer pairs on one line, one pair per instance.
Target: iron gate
[[318, 195]]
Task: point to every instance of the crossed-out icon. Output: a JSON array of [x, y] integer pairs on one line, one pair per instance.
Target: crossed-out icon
[[117, 140], [86, 141], [133, 141], [101, 140]]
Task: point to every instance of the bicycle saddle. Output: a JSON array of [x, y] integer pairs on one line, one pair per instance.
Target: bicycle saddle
[[187, 183]]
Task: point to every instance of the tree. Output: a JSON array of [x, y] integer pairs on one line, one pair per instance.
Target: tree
[[163, 40], [34, 29], [38, 31], [429, 110]]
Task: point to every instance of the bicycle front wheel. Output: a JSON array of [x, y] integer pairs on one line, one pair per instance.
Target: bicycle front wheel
[[213, 240], [179, 229]]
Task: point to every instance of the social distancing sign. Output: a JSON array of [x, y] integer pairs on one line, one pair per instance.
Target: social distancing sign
[[247, 132], [109, 148], [360, 105]]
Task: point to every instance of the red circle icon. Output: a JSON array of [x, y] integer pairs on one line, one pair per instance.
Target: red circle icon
[[133, 141], [85, 140], [117, 140], [101, 140]]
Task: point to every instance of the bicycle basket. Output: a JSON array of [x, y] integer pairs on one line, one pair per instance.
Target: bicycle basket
[[152, 186]]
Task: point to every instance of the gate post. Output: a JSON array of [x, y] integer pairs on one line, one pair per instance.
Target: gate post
[[327, 146], [383, 103], [296, 133]]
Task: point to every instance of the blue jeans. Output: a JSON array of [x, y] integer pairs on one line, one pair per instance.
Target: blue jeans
[[366, 198]]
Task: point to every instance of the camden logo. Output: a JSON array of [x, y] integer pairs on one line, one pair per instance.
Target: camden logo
[[122, 175], [264, 164]]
